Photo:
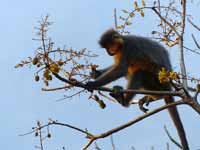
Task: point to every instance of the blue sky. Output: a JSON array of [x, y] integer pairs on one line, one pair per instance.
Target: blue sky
[[77, 24]]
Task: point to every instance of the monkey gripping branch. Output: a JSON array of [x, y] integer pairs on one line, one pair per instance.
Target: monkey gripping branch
[[143, 62]]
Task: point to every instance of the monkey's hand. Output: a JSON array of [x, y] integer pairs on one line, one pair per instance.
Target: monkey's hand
[[90, 85], [95, 73], [118, 95]]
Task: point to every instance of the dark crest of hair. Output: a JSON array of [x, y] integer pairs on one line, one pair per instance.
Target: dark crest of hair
[[107, 37]]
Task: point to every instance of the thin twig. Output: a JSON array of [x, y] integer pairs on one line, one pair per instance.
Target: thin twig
[[192, 50], [66, 97], [194, 25], [165, 21], [115, 17], [59, 124], [97, 146], [195, 41], [172, 139], [196, 94], [40, 136], [112, 143]]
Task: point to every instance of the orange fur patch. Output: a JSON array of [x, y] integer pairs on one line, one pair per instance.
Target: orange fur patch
[[117, 57], [144, 64]]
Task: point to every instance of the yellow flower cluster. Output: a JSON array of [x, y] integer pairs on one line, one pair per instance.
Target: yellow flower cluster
[[54, 68], [165, 76], [47, 75], [173, 75]]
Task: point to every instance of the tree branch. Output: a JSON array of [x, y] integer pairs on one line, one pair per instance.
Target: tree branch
[[105, 134], [105, 89], [165, 21], [182, 62]]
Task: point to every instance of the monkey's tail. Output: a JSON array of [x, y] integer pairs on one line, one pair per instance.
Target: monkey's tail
[[177, 122]]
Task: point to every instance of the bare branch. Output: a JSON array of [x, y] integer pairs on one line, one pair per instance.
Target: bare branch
[[105, 89], [59, 124], [194, 25], [112, 131], [182, 62], [112, 143], [115, 17], [195, 41], [40, 136], [165, 21], [195, 105], [97, 146], [192, 50]]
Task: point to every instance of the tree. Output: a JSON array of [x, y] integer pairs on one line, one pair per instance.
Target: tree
[[70, 67]]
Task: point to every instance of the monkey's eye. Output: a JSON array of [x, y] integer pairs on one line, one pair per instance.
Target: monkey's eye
[[115, 36]]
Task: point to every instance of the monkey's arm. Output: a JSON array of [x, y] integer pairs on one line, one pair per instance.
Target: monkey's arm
[[96, 73], [111, 74], [105, 69], [135, 81]]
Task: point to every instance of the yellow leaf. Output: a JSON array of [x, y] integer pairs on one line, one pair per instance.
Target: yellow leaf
[[18, 65], [142, 13], [120, 27], [173, 75], [135, 5], [54, 68], [163, 76], [128, 23], [143, 3], [132, 15]]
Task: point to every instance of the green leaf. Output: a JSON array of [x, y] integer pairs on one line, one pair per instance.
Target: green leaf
[[125, 11], [128, 23]]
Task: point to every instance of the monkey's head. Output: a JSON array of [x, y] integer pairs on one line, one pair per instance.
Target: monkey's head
[[112, 41]]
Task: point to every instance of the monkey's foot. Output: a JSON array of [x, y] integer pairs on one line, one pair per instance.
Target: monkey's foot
[[145, 100], [118, 95], [142, 108]]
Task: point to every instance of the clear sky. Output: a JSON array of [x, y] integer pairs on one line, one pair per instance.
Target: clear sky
[[77, 24]]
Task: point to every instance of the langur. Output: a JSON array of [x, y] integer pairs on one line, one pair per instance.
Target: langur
[[139, 59]]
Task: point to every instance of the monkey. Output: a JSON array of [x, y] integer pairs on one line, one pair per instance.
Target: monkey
[[138, 59]]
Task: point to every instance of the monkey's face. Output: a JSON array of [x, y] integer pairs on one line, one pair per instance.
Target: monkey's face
[[113, 49]]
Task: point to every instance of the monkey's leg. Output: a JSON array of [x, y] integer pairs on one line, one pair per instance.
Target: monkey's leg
[[177, 122], [152, 83], [135, 81], [174, 115]]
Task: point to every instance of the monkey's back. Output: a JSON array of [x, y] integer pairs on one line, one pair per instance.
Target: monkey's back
[[142, 49]]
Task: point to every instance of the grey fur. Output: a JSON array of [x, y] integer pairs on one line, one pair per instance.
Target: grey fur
[[136, 49]]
